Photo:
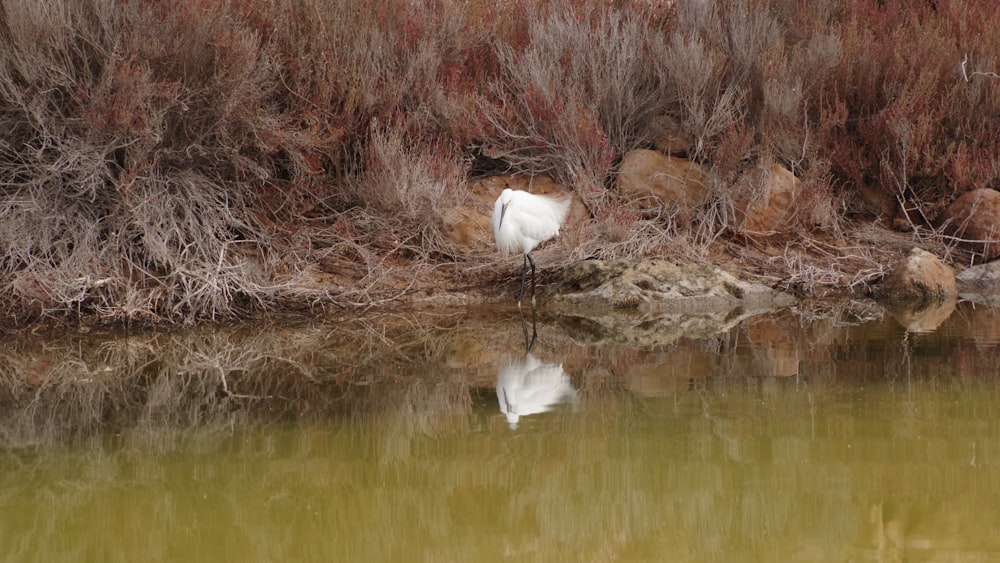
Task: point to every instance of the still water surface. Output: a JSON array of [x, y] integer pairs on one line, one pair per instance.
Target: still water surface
[[776, 438]]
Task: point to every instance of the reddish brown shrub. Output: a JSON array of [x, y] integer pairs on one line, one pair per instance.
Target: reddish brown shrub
[[899, 112]]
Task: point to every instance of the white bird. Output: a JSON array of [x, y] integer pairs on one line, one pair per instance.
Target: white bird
[[529, 386], [522, 221]]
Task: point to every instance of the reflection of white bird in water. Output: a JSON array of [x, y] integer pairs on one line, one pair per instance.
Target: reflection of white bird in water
[[529, 386], [522, 221]]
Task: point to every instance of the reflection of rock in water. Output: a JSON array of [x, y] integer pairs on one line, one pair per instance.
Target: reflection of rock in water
[[926, 318], [529, 386]]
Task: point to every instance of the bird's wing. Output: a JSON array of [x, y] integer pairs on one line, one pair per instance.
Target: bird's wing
[[544, 387], [539, 217], [529, 386]]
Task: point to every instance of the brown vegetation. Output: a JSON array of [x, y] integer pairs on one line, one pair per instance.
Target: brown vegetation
[[420, 374], [168, 162]]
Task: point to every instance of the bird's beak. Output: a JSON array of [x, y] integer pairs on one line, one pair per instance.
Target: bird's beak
[[503, 212]]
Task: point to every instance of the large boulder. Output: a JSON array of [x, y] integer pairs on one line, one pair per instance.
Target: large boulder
[[657, 180], [919, 277], [975, 218]]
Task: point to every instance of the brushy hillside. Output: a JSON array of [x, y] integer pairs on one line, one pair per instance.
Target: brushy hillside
[[201, 159]]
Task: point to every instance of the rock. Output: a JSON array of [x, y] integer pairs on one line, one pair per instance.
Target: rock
[[923, 317], [466, 227], [919, 277], [981, 278], [657, 285], [657, 375], [771, 202], [975, 216], [980, 284], [646, 329], [658, 180], [872, 200], [667, 135], [774, 349]]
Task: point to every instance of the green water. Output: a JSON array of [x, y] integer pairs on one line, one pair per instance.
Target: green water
[[876, 445]]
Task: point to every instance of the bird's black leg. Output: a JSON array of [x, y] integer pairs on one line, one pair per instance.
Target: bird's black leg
[[534, 331], [532, 260], [524, 271], [529, 342]]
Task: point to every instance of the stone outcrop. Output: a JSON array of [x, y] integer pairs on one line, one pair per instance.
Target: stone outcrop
[[984, 278], [919, 277], [654, 302], [980, 284], [653, 179], [656, 285], [975, 217]]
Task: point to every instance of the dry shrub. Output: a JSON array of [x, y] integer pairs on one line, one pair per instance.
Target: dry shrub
[[695, 76], [404, 187], [739, 76], [153, 149], [904, 110], [133, 152], [568, 101], [185, 160], [578, 94], [401, 79]]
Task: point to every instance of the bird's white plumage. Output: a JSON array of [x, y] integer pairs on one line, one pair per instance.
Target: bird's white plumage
[[521, 220], [529, 386]]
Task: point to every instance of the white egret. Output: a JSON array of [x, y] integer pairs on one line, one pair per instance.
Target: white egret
[[529, 386], [522, 221]]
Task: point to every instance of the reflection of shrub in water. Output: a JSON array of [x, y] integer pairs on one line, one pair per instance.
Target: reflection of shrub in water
[[81, 385]]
